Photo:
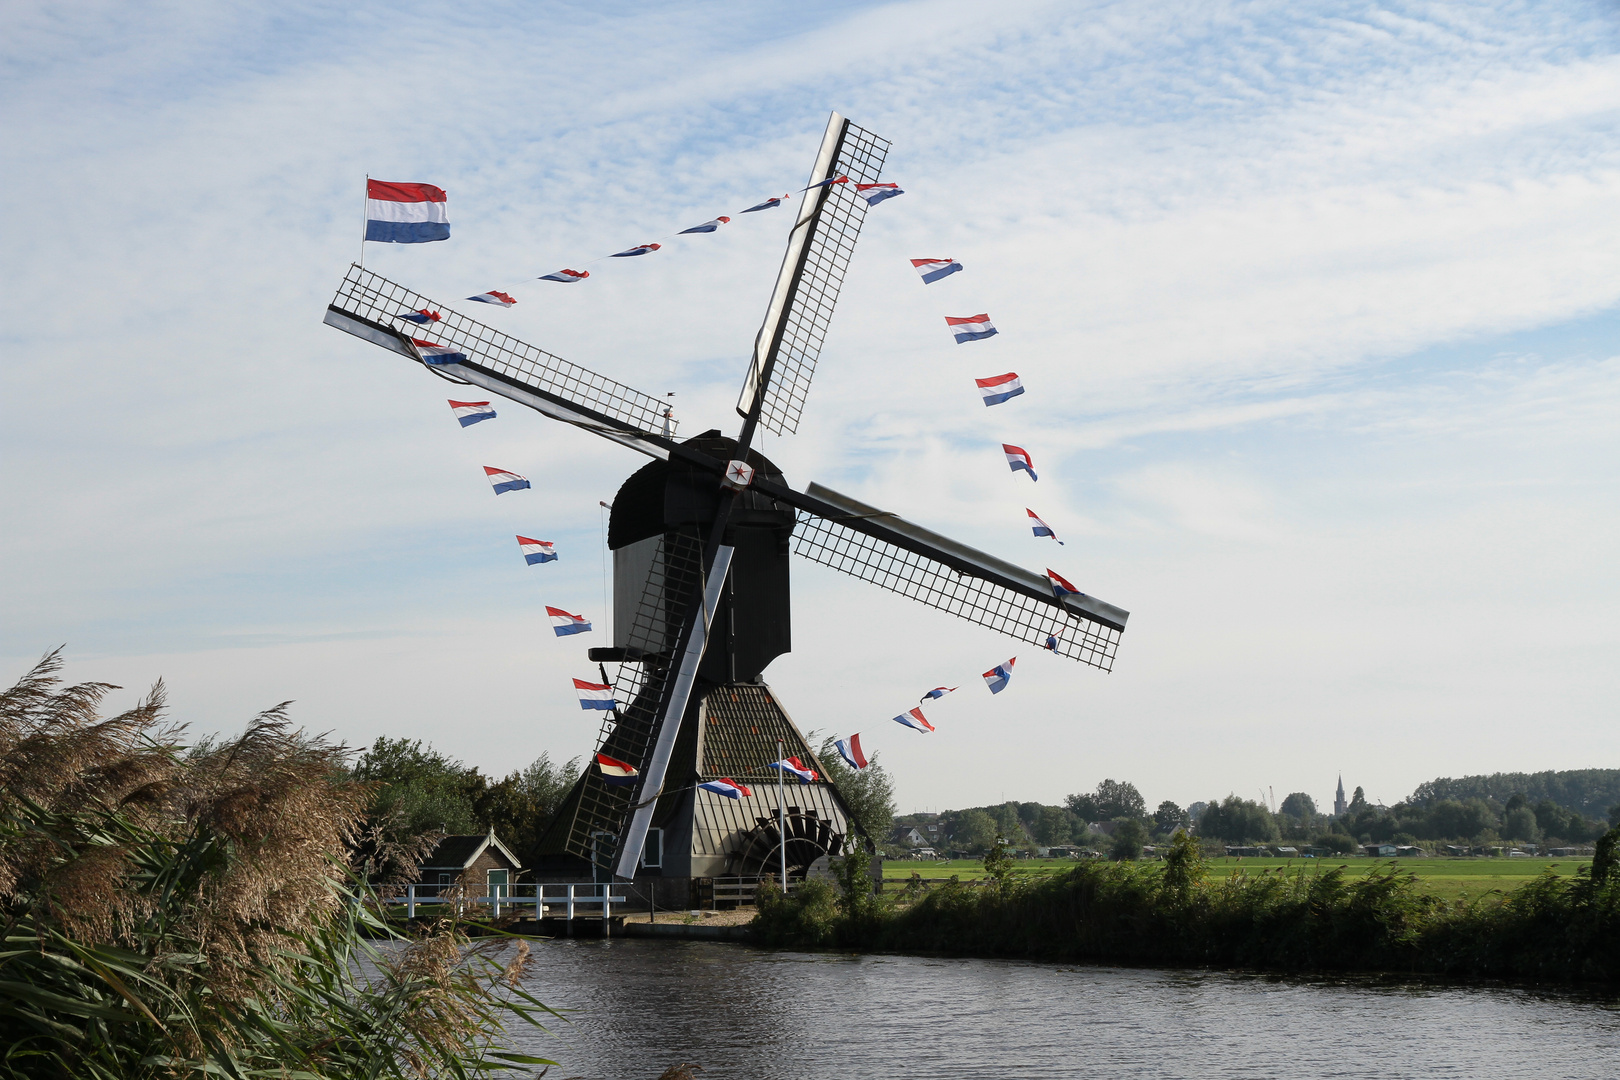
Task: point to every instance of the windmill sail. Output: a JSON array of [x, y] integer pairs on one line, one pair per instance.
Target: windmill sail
[[818, 254], [369, 306], [886, 550]]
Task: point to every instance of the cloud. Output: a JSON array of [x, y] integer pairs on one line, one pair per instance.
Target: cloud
[[1292, 287]]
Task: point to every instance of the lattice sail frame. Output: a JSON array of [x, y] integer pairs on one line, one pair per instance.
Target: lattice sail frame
[[639, 687], [822, 264], [939, 585], [373, 299]]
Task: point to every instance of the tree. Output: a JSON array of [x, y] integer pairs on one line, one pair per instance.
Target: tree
[[1083, 807], [1120, 798], [1195, 810], [1520, 824], [1338, 843], [975, 831], [1129, 836], [419, 789], [1358, 802], [1054, 826], [869, 792], [1238, 821], [1168, 817], [1299, 806], [1454, 818]]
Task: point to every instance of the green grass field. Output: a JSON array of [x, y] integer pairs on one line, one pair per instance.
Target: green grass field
[[1447, 878]]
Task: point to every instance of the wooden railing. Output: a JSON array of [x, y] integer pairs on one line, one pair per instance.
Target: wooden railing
[[572, 899]]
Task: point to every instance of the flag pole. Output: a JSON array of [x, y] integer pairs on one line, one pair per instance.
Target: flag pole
[[781, 810], [365, 204]]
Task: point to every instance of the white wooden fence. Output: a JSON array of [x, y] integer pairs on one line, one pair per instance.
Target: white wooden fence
[[572, 900]]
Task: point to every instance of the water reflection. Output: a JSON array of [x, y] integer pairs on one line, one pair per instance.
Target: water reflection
[[744, 1014]]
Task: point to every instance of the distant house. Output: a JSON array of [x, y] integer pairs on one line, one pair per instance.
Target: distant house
[[906, 834], [1244, 852], [478, 862], [1406, 851], [1380, 851], [1286, 852], [1105, 827]]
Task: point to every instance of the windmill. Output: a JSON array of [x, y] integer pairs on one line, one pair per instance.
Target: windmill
[[701, 536]]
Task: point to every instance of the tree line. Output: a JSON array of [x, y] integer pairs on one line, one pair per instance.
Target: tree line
[[1440, 811]]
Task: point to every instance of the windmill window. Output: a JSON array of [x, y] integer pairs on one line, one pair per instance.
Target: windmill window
[[652, 853]]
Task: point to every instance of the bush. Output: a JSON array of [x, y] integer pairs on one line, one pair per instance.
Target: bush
[[181, 914]]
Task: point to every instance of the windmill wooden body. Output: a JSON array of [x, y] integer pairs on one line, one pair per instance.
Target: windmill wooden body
[[701, 538]]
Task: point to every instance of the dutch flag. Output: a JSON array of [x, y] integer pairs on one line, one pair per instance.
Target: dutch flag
[[970, 328], [431, 352], [933, 270], [469, 413], [639, 249], [537, 551], [563, 624], [999, 388], [850, 750], [1052, 642], [727, 787], [567, 277], [707, 226], [615, 772], [796, 767], [876, 193], [915, 719], [504, 481], [1040, 527], [826, 182], [768, 204], [937, 692], [420, 317], [494, 296], [1018, 460], [999, 676], [405, 213], [594, 695], [1060, 587]]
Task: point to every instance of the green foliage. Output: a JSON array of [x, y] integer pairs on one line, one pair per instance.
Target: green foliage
[[1337, 843], [419, 790], [1238, 821], [1606, 857], [974, 831], [1588, 792], [1299, 919], [869, 792], [998, 864], [1299, 806], [1520, 824], [1168, 817], [808, 917], [1054, 825], [1129, 836]]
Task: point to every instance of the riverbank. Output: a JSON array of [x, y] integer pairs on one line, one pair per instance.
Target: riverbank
[[1176, 912]]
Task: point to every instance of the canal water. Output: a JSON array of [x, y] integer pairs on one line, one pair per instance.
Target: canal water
[[640, 1006]]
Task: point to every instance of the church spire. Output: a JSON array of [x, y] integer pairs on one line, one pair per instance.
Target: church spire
[[1339, 805]]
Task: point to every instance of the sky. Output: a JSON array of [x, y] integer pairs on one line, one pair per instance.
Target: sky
[[1315, 305]]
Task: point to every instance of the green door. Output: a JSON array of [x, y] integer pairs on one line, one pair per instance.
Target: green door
[[497, 883]]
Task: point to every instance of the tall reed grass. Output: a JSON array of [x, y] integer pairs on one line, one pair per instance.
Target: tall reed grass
[[174, 914], [1175, 913]]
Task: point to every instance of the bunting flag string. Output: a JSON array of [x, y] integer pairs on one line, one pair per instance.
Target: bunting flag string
[[537, 551], [727, 787], [1039, 527], [872, 194], [468, 413], [999, 388], [999, 676], [503, 480], [850, 750]]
